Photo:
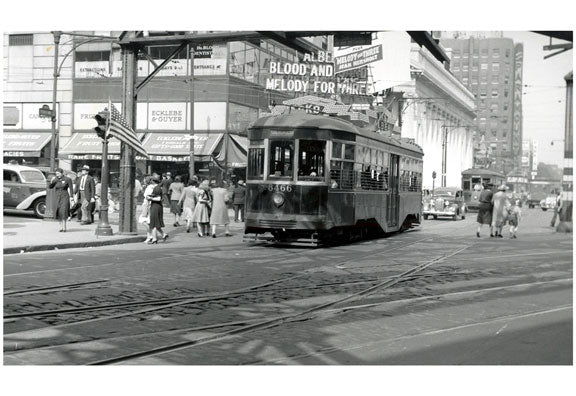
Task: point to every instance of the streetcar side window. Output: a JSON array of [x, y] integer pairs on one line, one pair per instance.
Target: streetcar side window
[[466, 185], [281, 158], [311, 160], [341, 175], [337, 150], [349, 152], [256, 163]]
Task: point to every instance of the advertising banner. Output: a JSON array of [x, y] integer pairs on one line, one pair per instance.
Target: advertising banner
[[358, 59]]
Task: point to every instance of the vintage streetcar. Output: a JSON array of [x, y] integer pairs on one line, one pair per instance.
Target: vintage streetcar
[[313, 179], [473, 181]]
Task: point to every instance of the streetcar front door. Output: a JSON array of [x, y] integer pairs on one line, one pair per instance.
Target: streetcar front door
[[393, 202]]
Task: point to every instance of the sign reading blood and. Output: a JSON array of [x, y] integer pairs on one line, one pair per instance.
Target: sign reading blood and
[[314, 75]]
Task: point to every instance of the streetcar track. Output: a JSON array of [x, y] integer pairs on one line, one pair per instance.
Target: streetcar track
[[189, 299], [276, 321], [330, 311]]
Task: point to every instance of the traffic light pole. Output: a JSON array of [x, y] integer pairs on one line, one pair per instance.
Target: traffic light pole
[[104, 228], [128, 225]]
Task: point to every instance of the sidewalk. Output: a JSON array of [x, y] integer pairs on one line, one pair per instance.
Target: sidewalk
[[26, 233]]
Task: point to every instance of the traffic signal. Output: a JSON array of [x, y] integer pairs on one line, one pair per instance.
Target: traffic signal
[[434, 175], [102, 118]]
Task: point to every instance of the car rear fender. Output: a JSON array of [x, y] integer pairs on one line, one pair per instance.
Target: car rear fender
[[28, 201]]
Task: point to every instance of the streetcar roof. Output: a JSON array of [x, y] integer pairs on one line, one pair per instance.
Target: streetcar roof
[[482, 172], [307, 121]]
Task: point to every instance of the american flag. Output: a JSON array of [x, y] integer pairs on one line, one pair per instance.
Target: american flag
[[120, 129]]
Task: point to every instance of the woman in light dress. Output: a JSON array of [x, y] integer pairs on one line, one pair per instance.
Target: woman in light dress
[[219, 215], [144, 218], [188, 202], [201, 214], [500, 210]]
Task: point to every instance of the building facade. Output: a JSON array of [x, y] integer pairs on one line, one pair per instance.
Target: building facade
[[491, 68], [438, 111], [221, 87]]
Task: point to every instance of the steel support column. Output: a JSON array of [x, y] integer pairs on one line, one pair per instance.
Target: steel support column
[[565, 214], [128, 225]]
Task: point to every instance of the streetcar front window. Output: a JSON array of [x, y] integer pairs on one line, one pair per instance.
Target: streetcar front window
[[281, 158], [311, 160], [256, 163]]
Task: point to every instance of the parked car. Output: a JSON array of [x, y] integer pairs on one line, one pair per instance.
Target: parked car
[[24, 189], [445, 201], [548, 203]]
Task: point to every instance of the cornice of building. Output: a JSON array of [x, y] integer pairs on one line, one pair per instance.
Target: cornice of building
[[435, 72]]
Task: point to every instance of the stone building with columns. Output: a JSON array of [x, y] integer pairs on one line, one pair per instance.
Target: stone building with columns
[[438, 111]]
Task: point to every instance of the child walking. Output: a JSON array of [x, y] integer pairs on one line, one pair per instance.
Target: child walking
[[514, 215]]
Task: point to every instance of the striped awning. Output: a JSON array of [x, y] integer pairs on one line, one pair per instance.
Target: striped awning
[[24, 144]]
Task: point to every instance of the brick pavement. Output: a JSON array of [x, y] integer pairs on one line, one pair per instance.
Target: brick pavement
[[24, 233]]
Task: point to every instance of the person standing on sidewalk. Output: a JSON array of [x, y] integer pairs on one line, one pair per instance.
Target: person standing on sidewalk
[[219, 214], [175, 191], [156, 212], [165, 185], [500, 210], [144, 218], [556, 208], [86, 192], [485, 210], [188, 201], [202, 210], [64, 193], [239, 200], [514, 216]]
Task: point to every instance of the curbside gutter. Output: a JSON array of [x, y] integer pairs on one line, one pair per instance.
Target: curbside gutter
[[72, 245]]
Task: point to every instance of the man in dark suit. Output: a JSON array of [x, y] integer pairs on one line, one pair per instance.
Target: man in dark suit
[[86, 194]]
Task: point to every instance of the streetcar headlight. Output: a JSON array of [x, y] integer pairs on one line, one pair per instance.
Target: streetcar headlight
[[278, 199], [446, 203]]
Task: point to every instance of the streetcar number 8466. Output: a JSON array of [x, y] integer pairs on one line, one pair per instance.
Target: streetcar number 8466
[[278, 187]]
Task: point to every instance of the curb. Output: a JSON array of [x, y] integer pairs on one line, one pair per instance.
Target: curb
[[72, 245]]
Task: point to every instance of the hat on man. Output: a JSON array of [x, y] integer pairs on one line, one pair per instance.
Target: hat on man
[[502, 187], [241, 182], [86, 167]]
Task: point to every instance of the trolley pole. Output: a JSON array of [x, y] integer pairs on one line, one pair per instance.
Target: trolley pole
[[127, 219]]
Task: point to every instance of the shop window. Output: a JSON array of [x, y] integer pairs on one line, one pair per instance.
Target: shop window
[[94, 56], [20, 39], [281, 158], [162, 52], [311, 160]]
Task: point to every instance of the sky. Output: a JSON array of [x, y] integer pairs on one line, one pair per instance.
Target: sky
[[544, 96]]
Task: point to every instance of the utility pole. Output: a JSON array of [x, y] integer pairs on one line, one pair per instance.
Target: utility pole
[[567, 177], [191, 166], [128, 224], [444, 153]]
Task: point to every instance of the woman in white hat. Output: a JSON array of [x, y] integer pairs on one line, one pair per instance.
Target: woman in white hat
[[500, 210]]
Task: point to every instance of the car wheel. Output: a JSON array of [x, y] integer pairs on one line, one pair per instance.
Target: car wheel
[[435, 217], [425, 217], [544, 209], [455, 217], [39, 207]]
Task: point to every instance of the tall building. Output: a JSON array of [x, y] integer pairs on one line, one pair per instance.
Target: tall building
[[491, 68]]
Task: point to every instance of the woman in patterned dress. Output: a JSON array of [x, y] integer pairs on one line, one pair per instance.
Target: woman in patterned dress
[[202, 210]]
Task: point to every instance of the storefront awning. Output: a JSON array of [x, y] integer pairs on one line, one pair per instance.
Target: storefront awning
[[176, 146], [24, 144], [232, 153], [88, 146]]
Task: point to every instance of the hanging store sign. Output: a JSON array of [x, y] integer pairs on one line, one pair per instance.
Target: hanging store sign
[[358, 59], [315, 75]]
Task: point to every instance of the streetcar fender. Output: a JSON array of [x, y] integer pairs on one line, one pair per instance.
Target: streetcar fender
[[28, 201]]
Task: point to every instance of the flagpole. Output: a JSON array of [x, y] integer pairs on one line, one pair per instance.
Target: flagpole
[[104, 228]]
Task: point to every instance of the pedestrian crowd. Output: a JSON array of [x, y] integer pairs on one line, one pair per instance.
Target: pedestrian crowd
[[201, 204]]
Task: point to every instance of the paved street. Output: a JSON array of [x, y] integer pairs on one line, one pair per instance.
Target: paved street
[[204, 301]]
